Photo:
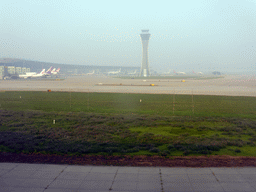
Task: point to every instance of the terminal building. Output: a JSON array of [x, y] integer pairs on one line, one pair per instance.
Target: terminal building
[[18, 70], [12, 70], [25, 70], [1, 72]]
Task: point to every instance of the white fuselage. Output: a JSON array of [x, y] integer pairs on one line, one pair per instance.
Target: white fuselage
[[32, 74], [39, 74], [180, 73], [90, 73], [114, 72]]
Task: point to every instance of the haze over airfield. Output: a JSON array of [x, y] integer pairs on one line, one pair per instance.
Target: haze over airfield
[[185, 35]]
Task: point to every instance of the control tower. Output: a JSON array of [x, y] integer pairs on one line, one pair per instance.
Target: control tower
[[144, 64]]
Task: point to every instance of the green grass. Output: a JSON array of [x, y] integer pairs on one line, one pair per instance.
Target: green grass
[[176, 131], [33, 131], [125, 122], [121, 103], [245, 151]]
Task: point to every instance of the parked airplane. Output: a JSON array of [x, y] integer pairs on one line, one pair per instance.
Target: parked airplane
[[58, 70], [179, 73], [114, 72], [26, 76], [55, 72], [29, 74], [167, 73], [200, 73], [90, 73], [32, 74], [48, 72], [132, 73], [39, 74]]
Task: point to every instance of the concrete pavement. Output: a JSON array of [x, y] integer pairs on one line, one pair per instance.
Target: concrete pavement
[[235, 85], [23, 177]]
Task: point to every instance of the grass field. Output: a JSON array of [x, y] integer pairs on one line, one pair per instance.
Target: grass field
[[112, 123], [122, 103]]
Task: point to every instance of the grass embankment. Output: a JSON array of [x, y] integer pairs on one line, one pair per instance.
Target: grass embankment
[[121, 124], [84, 133]]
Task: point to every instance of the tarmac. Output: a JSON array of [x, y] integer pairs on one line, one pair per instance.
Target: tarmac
[[19, 177], [230, 85], [22, 177]]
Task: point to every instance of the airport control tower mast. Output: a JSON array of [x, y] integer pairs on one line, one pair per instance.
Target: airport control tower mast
[[144, 64]]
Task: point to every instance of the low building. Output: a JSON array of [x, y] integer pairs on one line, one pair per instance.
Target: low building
[[3, 71], [1, 68], [28, 70], [24, 70], [11, 69], [18, 70]]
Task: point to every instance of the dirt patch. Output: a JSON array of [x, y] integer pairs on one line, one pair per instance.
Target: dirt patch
[[145, 161]]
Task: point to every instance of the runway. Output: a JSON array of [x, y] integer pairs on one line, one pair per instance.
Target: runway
[[230, 85]]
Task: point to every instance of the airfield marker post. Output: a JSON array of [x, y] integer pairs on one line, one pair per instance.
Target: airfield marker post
[[88, 101], [192, 103], [69, 98], [173, 102]]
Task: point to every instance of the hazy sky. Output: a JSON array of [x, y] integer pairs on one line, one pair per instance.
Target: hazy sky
[[199, 35]]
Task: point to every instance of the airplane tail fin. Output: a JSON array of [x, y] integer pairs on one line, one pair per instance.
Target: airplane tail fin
[[49, 69], [58, 70], [193, 71], [174, 71], [53, 70], [42, 71]]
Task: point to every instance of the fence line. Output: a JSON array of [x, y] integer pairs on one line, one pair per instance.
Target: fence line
[[192, 102], [108, 101], [69, 98], [88, 100], [173, 103]]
